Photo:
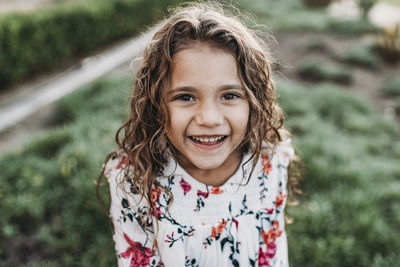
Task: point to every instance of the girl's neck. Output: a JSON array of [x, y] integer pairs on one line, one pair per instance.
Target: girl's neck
[[217, 176]]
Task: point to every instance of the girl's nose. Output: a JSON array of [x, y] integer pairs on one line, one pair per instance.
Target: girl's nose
[[209, 115]]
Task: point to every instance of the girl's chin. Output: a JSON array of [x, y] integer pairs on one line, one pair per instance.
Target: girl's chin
[[206, 165]]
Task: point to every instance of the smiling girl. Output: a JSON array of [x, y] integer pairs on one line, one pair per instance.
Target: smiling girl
[[200, 177]]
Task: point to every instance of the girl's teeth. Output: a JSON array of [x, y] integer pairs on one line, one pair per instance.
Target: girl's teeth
[[212, 139]]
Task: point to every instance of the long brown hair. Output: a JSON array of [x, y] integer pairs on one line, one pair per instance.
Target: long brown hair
[[143, 136]]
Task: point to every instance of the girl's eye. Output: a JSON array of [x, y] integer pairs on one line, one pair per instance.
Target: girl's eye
[[186, 98], [230, 96]]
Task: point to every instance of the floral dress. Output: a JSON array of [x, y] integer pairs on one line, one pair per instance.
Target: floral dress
[[240, 223]]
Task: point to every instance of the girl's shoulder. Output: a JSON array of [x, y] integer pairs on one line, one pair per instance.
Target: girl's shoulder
[[118, 171], [283, 151], [117, 162]]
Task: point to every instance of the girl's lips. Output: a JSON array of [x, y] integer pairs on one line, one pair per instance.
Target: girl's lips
[[207, 139], [208, 142]]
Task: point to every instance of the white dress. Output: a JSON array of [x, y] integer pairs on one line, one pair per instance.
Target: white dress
[[236, 224]]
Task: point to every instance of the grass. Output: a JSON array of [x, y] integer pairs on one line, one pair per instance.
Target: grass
[[392, 86], [55, 189], [294, 15], [315, 69], [350, 212], [348, 216], [363, 56]]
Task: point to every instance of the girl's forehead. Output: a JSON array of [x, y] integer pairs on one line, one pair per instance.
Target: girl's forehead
[[204, 65], [202, 46]]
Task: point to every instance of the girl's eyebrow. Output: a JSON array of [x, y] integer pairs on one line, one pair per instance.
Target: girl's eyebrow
[[194, 89]]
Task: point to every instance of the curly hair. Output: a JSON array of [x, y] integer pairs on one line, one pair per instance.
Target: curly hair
[[143, 136]]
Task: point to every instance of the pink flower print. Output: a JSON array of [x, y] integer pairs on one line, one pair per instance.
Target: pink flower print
[[203, 194], [263, 258], [186, 187], [236, 223], [158, 212], [271, 250], [123, 162], [269, 211], [140, 255]]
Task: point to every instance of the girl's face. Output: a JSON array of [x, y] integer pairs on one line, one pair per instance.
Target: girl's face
[[208, 109]]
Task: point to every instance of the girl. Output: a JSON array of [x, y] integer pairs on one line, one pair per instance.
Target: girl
[[200, 178]]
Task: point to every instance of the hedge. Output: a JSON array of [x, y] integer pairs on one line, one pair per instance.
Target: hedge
[[36, 42]]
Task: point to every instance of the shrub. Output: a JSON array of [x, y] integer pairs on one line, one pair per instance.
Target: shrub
[[366, 5], [351, 27], [50, 213], [392, 86], [317, 3], [37, 42], [348, 214], [316, 69], [316, 44], [361, 56]]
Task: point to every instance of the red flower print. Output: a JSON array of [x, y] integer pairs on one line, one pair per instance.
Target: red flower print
[[272, 233], [267, 166], [279, 199], [155, 195], [275, 225], [123, 162], [216, 190], [158, 212], [271, 250], [140, 255], [216, 231], [270, 211], [185, 186], [236, 223], [263, 258], [203, 194]]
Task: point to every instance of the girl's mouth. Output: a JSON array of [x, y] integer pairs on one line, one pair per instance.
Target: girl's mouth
[[208, 140]]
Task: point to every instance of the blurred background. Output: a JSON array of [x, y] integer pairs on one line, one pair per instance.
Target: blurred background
[[64, 92]]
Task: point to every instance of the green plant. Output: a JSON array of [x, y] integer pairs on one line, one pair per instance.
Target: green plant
[[366, 5], [317, 3], [348, 214], [40, 41], [316, 44], [350, 27], [392, 86], [316, 69], [361, 56], [54, 188], [397, 105]]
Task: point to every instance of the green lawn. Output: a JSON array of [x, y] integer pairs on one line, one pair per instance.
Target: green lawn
[[48, 187], [349, 214]]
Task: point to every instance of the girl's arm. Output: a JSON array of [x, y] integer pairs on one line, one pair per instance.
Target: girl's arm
[[133, 236]]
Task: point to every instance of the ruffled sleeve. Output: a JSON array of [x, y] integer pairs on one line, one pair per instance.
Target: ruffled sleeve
[[274, 250], [285, 154], [133, 236]]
